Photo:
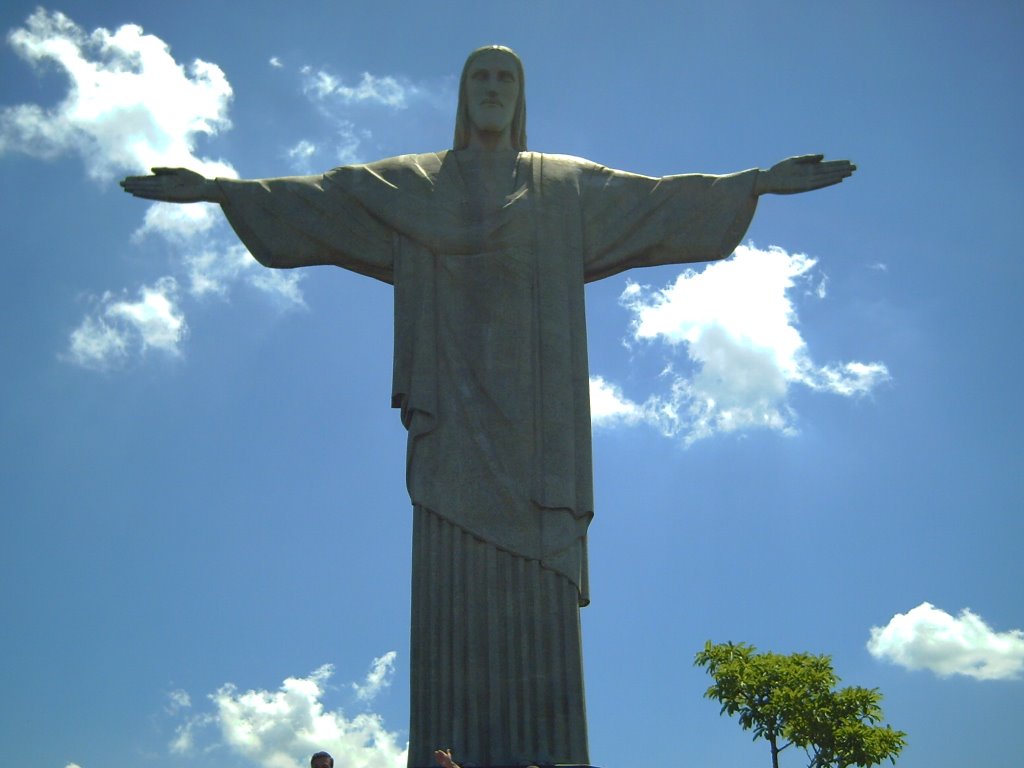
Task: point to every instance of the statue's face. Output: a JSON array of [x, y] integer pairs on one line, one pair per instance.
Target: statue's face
[[492, 91]]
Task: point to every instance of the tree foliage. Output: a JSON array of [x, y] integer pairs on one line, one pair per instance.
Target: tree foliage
[[791, 700]]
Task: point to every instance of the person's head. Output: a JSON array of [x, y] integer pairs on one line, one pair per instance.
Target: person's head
[[492, 97], [321, 760]]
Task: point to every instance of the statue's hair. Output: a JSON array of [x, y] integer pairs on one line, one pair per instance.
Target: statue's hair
[[462, 122], [321, 754]]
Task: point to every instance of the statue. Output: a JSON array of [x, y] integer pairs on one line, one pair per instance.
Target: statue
[[488, 246]]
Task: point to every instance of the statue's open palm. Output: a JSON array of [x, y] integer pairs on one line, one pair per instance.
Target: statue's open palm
[[171, 185], [803, 174]]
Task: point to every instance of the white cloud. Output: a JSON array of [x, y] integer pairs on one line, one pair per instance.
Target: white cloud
[[609, 406], [275, 62], [379, 677], [349, 141], [129, 106], [104, 338], [302, 149], [97, 344], [738, 326], [177, 701], [847, 378], [214, 270], [72, 765], [154, 316], [280, 729], [178, 223], [281, 285], [118, 329], [821, 291], [300, 154], [371, 89], [927, 637], [210, 271]]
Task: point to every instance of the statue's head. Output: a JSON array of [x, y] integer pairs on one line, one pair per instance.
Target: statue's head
[[496, 70], [321, 760]]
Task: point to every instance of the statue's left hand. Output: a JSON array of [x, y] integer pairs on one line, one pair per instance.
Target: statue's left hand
[[802, 174], [173, 185]]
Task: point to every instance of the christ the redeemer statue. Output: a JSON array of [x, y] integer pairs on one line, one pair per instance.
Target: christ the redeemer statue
[[488, 246]]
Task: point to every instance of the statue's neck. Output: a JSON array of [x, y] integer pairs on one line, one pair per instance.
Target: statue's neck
[[490, 173], [486, 162], [490, 141]]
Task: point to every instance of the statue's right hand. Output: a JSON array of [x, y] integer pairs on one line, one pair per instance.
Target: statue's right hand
[[172, 185]]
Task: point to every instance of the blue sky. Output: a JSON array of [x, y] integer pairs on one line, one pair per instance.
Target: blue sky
[[205, 539]]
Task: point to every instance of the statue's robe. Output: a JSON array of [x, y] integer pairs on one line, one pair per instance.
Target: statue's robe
[[491, 376]]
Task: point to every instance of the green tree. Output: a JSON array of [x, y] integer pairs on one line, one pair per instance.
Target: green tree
[[791, 700]]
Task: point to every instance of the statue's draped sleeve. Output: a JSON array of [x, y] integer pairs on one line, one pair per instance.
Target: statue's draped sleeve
[[305, 221], [631, 220]]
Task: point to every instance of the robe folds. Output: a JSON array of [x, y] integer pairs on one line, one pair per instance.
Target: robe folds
[[492, 381]]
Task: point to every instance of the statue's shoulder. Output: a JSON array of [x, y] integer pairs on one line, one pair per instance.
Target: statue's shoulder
[[567, 160], [428, 163], [565, 171], [558, 166]]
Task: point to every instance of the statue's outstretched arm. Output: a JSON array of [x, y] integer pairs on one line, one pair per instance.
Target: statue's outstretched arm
[[174, 185], [802, 174]]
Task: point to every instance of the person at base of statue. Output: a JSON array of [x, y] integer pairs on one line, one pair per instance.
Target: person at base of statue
[[321, 760]]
